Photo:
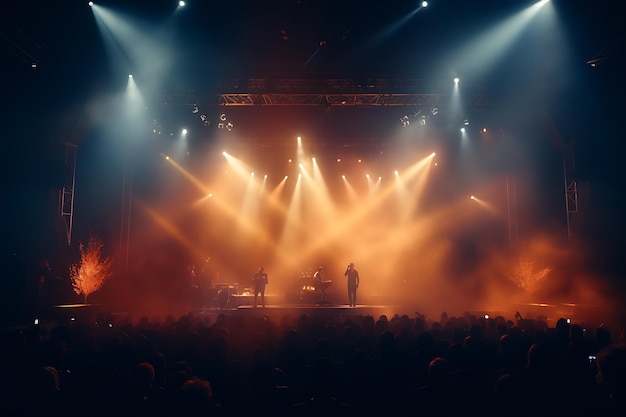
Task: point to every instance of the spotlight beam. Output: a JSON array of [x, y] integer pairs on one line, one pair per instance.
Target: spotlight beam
[[170, 229], [195, 181], [492, 44], [359, 214]]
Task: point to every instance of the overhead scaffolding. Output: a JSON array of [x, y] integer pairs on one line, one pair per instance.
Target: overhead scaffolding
[[66, 197], [571, 187], [317, 92]]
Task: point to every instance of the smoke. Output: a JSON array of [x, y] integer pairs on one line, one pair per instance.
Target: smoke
[[419, 242]]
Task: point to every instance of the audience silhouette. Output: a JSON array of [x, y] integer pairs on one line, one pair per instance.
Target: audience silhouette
[[312, 364]]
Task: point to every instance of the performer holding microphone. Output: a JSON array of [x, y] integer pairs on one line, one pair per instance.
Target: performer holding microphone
[[353, 283]]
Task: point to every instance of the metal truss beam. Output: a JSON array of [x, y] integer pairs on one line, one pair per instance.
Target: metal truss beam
[[393, 92], [66, 194], [571, 187], [357, 99]]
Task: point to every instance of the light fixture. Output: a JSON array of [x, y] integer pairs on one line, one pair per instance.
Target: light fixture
[[223, 124], [195, 109]]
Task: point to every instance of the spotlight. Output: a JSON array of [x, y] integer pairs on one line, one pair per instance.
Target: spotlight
[[184, 131], [472, 197], [90, 3], [462, 130], [424, 4], [130, 75], [456, 80], [195, 109], [222, 125], [181, 3]]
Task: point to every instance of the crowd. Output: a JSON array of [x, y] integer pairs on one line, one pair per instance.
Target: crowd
[[307, 364]]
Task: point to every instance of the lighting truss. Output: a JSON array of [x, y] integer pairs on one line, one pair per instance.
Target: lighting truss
[[392, 92]]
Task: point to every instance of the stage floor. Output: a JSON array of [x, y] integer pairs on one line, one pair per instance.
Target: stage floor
[[329, 309]]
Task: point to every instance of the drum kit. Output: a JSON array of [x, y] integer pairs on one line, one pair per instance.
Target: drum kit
[[310, 290]]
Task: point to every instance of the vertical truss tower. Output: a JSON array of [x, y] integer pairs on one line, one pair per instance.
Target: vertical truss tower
[[66, 197]]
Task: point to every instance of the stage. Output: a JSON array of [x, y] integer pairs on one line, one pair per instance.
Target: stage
[[281, 310], [278, 307]]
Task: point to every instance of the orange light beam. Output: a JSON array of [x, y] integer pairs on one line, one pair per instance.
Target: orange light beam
[[171, 230], [188, 175], [357, 216]]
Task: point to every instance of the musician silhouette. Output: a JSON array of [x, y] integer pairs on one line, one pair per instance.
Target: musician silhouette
[[260, 281], [318, 276], [321, 284], [353, 283]]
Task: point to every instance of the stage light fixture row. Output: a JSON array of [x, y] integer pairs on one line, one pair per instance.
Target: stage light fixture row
[[421, 118]]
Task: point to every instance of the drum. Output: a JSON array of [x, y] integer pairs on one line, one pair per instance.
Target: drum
[[307, 294]]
